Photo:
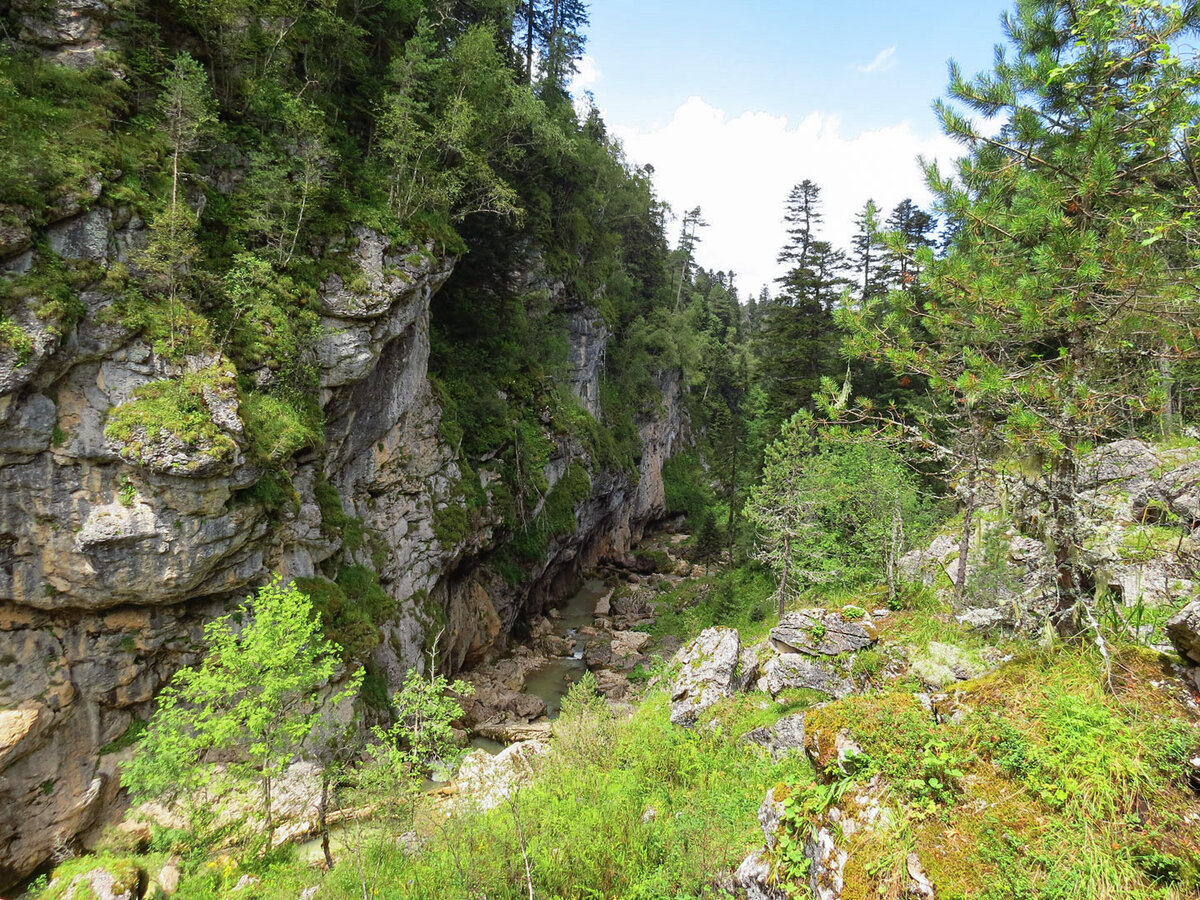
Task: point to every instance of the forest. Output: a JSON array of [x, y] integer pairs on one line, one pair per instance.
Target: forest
[[393, 506]]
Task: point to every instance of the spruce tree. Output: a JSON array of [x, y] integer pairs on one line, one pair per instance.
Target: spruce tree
[[798, 342]]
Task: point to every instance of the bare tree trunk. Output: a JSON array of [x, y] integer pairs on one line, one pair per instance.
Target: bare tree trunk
[[1063, 541], [964, 541], [1167, 416], [323, 822]]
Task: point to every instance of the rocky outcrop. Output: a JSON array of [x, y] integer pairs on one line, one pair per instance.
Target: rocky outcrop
[[70, 31], [823, 632], [1184, 631], [588, 337], [714, 665], [1139, 506], [485, 781], [862, 810], [113, 554], [704, 671]]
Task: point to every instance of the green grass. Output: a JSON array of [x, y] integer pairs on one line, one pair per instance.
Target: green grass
[[585, 820], [1047, 779]]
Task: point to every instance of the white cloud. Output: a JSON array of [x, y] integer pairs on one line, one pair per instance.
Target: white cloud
[[739, 171], [586, 75], [883, 61]]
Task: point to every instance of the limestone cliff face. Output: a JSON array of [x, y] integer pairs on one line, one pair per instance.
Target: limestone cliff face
[[111, 561]]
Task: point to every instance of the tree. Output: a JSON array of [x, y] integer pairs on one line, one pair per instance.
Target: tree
[[249, 706], [1068, 286], [187, 113], [867, 250], [831, 508], [688, 239], [798, 342], [390, 780], [911, 227]]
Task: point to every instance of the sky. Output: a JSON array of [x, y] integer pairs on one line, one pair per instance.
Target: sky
[[733, 103]]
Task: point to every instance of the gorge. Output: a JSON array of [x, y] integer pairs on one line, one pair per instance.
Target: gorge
[[362, 305]]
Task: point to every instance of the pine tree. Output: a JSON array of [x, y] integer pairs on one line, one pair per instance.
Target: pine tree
[[798, 342], [913, 229], [1068, 286]]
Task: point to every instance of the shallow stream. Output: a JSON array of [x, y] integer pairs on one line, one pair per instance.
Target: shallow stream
[[552, 681]]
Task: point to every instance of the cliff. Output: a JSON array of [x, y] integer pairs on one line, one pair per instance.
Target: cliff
[[113, 555]]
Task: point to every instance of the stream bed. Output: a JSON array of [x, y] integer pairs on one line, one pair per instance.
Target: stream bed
[[552, 681]]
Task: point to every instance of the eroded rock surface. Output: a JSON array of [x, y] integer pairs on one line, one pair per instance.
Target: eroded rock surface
[[704, 671], [822, 632]]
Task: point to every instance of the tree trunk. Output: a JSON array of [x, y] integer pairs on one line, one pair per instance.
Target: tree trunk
[[1168, 413], [531, 11], [323, 823], [270, 823], [1063, 541], [783, 583], [964, 542]]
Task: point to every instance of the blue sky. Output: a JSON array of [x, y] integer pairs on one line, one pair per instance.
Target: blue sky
[[734, 103]]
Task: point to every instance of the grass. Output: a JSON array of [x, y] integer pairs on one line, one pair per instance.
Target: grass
[[624, 808], [1052, 781]]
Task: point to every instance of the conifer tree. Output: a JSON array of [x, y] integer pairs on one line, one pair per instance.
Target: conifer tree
[[868, 253], [1068, 286], [798, 342]]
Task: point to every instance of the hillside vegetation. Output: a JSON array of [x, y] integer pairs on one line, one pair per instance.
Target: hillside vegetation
[[922, 619]]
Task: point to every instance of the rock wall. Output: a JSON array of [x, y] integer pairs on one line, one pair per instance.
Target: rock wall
[[112, 561], [1139, 508]]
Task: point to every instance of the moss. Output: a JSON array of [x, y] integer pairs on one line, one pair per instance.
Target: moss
[[451, 524], [127, 738], [277, 428], [375, 688], [14, 338], [170, 414], [352, 609]]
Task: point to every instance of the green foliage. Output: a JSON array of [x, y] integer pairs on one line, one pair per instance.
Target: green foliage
[[254, 698], [352, 609], [127, 738], [174, 414], [1065, 298], [739, 597], [276, 428], [451, 524], [14, 339], [557, 516], [593, 795], [56, 135], [686, 486], [832, 509]]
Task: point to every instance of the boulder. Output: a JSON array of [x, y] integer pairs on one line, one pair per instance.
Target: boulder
[[613, 685], [752, 879], [629, 643], [791, 670], [1118, 461], [114, 881], [486, 781], [822, 632], [705, 670], [785, 735], [1184, 631]]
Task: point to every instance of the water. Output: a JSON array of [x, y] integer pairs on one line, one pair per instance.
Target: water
[[581, 606], [552, 681], [479, 742]]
